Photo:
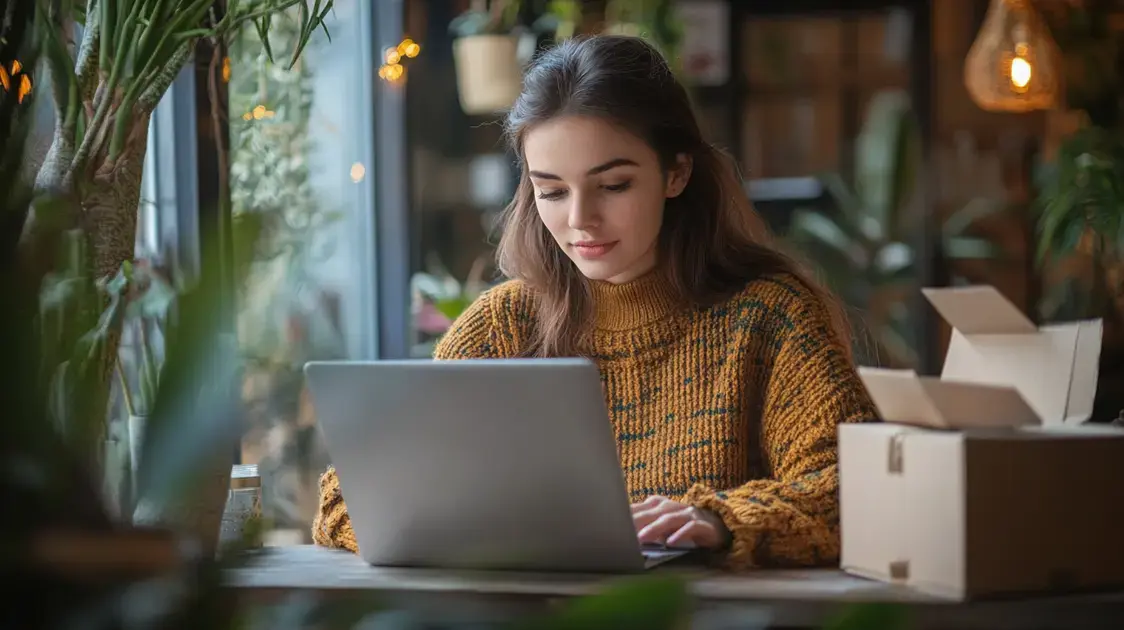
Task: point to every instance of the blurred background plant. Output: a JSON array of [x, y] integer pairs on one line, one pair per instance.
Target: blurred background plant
[[652, 20], [438, 298], [865, 247], [488, 17], [561, 20], [1079, 209]]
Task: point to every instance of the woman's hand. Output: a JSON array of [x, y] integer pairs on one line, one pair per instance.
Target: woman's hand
[[660, 520]]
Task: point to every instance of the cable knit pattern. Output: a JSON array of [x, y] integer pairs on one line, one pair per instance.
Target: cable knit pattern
[[731, 408]]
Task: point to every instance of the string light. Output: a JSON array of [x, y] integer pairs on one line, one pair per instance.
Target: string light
[[22, 81], [392, 69], [258, 113]]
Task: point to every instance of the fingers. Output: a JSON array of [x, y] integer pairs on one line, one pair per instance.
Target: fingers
[[644, 517], [694, 534], [648, 503], [666, 524]]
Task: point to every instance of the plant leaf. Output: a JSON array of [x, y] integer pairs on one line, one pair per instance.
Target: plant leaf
[[651, 602], [809, 226], [886, 157], [971, 248], [958, 222]]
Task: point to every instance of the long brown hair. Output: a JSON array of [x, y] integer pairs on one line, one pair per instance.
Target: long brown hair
[[712, 241]]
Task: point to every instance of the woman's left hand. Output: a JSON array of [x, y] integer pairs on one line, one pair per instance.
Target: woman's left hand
[[660, 520]]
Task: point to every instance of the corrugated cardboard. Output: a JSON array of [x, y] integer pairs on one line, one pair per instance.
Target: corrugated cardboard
[[983, 481]]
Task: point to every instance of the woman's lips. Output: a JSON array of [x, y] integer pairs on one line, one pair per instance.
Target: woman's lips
[[591, 251]]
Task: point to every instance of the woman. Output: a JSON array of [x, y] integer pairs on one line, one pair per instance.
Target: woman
[[630, 241]]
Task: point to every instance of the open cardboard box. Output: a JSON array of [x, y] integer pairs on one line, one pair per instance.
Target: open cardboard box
[[984, 481]]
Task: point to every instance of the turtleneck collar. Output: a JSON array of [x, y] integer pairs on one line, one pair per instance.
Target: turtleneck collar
[[632, 304]]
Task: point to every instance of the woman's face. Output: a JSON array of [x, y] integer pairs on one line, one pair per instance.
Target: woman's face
[[600, 191]]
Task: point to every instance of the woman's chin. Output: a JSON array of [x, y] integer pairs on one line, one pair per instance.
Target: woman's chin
[[614, 274], [594, 271]]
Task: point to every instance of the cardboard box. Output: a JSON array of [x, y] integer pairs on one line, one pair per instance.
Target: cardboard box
[[984, 481]]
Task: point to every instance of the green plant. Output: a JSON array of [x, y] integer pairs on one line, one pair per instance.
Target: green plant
[[272, 192], [447, 294], [561, 20], [147, 298], [487, 17], [865, 250], [1080, 202], [652, 20], [104, 89], [1081, 210]]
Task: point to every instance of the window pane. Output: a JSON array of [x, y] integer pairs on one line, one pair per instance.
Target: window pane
[[300, 162]]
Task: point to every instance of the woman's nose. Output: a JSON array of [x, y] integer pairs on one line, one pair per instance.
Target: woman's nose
[[583, 213]]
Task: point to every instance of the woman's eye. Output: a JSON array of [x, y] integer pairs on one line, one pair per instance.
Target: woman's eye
[[551, 195], [621, 187]]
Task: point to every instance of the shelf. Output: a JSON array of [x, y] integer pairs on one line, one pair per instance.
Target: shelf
[[784, 189]]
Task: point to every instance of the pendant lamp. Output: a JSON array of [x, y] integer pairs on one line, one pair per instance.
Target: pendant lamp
[[1014, 65]]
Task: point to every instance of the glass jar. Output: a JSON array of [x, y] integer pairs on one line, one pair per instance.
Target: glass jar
[[243, 507]]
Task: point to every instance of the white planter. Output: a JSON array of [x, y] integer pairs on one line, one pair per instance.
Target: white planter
[[489, 73], [136, 443]]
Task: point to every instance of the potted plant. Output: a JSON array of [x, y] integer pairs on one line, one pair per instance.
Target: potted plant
[[562, 20], [147, 297], [487, 55], [438, 298], [105, 87]]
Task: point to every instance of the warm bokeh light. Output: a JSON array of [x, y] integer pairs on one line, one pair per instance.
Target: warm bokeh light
[[358, 171], [393, 70], [1020, 73]]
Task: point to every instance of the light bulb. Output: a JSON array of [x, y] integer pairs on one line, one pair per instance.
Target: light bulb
[[1021, 73], [1014, 65]]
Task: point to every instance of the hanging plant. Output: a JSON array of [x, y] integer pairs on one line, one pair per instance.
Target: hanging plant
[[487, 55]]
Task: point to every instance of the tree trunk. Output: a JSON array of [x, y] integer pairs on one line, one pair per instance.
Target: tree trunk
[[110, 203], [104, 204]]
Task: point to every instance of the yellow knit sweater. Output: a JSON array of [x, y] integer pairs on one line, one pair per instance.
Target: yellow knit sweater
[[731, 408]]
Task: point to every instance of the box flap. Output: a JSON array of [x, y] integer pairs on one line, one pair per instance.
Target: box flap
[[979, 310], [1086, 366], [1054, 369], [903, 397]]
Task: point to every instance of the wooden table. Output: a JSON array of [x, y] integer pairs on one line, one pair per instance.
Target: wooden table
[[788, 598]]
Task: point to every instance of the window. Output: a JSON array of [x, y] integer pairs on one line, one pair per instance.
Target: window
[[301, 173]]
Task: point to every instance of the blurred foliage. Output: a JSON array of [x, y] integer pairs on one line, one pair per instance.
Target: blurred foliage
[[1081, 211], [652, 20], [272, 193], [865, 248], [488, 17], [1080, 199]]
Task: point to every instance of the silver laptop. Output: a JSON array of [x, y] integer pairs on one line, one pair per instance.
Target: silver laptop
[[479, 464]]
